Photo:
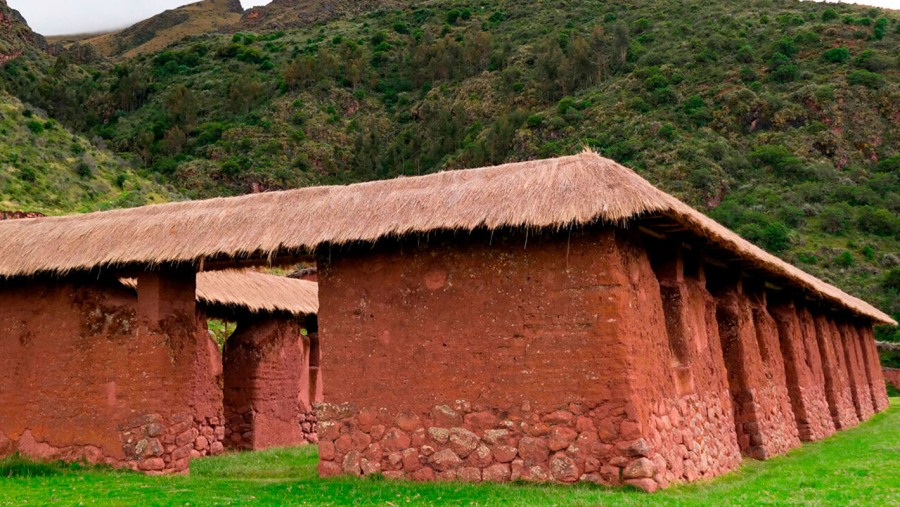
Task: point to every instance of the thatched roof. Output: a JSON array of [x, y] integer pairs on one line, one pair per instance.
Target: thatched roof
[[554, 193], [232, 291]]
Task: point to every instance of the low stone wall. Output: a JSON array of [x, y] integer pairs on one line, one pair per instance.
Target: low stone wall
[[89, 372], [892, 375]]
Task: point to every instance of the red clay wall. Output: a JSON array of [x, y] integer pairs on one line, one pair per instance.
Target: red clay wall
[[266, 394], [483, 359], [803, 371], [880, 400], [837, 384], [764, 418], [859, 382], [89, 372], [696, 428]]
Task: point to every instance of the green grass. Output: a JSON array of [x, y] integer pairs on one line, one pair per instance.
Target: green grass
[[856, 467]]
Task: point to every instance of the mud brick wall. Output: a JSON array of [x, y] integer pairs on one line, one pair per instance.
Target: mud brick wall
[[266, 393], [694, 430], [803, 369], [88, 371], [837, 383], [764, 418], [880, 400], [859, 381], [481, 358]]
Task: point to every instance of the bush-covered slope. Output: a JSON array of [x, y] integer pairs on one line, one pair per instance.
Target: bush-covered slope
[[777, 118], [47, 169]]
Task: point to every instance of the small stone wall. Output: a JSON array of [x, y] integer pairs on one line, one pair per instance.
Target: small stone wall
[[266, 397], [88, 371], [803, 370], [892, 375]]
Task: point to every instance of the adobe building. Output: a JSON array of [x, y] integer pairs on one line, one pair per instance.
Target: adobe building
[[126, 374], [558, 320], [271, 361]]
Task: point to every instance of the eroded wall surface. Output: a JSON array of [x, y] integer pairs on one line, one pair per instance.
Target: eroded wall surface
[[267, 395], [803, 371], [88, 371], [481, 358], [764, 419], [837, 382]]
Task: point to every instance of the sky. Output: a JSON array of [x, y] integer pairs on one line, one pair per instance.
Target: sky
[[64, 17]]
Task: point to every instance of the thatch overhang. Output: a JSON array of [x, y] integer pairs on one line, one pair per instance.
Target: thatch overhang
[[229, 293], [555, 193]]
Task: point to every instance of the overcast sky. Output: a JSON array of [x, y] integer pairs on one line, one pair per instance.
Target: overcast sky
[[63, 17]]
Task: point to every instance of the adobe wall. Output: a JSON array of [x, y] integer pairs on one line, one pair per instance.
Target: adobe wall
[[880, 400], [764, 418], [803, 370], [88, 371], [481, 358], [837, 383], [859, 382], [267, 389]]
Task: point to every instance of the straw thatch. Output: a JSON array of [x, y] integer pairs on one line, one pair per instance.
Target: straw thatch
[[230, 291], [551, 193]]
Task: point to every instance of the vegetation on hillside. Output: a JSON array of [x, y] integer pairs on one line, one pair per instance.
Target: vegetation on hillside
[[854, 467], [776, 118], [45, 168]]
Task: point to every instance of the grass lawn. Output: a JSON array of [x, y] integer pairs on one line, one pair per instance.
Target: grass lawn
[[857, 467]]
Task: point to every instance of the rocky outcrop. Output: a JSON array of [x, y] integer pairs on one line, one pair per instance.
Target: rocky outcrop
[[15, 34]]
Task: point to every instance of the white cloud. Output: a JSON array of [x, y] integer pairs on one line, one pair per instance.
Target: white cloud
[[60, 17]]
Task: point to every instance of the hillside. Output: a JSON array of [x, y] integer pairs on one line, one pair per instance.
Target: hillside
[[777, 119], [156, 33], [293, 14], [15, 34], [44, 168]]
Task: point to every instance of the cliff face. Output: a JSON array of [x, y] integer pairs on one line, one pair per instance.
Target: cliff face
[[15, 34]]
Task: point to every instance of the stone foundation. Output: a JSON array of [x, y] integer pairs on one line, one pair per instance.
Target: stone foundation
[[803, 370], [562, 348], [266, 394], [88, 371]]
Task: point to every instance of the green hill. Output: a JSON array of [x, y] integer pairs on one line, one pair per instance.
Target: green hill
[[779, 119], [47, 169]]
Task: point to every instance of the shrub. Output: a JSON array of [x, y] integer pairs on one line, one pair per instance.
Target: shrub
[[777, 157], [891, 280], [829, 15], [837, 55], [746, 55], [775, 237], [871, 61], [877, 221], [36, 127], [835, 219], [844, 260], [785, 46], [865, 78]]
